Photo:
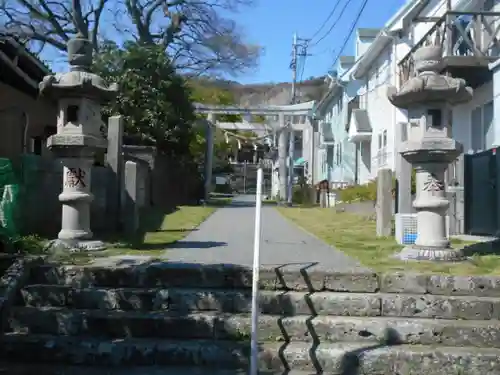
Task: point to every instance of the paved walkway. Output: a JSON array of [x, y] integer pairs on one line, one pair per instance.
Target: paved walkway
[[227, 237]]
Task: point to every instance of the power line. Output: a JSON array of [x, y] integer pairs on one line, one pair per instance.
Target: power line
[[353, 26], [326, 20], [342, 11]]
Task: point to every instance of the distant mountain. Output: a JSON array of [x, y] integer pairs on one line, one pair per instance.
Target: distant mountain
[[270, 93]]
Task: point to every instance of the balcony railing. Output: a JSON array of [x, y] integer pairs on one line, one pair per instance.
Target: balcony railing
[[463, 35]]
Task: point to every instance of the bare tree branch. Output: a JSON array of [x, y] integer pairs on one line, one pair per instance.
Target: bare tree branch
[[193, 32], [51, 22]]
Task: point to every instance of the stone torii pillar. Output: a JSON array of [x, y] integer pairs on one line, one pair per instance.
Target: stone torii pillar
[[282, 157], [79, 94], [209, 153]]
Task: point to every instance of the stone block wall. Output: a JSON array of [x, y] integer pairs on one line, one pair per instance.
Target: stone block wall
[[41, 185], [165, 182]]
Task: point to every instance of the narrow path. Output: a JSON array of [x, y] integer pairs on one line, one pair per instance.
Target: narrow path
[[227, 237]]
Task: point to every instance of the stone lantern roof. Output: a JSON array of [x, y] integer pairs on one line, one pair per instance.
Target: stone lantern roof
[[429, 86], [79, 81]]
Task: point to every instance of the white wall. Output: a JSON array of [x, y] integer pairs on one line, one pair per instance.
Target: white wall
[[362, 45], [463, 126], [382, 114]]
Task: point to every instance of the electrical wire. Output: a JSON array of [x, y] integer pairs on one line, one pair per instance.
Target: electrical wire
[[353, 26], [326, 20], [342, 11]]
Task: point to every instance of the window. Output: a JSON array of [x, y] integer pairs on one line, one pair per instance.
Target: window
[[329, 156], [339, 154], [487, 124], [481, 127], [384, 138], [488, 5]]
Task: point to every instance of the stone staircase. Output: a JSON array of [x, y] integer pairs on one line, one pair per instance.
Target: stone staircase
[[171, 319]]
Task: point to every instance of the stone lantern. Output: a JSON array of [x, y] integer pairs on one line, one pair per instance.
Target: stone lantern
[[428, 97], [79, 94]]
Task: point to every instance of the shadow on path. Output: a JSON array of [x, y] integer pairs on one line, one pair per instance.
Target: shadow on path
[[196, 244]]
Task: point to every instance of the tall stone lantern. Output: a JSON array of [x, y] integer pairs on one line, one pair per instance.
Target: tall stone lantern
[[428, 97], [79, 94]]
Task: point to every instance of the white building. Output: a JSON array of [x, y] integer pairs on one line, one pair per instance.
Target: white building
[[360, 123]]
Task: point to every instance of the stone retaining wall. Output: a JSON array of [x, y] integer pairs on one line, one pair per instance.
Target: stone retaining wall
[[12, 280]]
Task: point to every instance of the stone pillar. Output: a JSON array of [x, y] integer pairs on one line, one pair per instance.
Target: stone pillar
[[209, 154], [384, 202], [323, 196], [114, 160], [291, 157], [76, 198], [403, 175], [274, 181], [131, 194], [282, 148]]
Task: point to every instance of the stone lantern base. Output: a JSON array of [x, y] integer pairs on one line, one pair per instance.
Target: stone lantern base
[[77, 246], [415, 252], [75, 152]]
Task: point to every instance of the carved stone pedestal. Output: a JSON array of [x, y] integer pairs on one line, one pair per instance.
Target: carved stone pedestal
[[432, 241]]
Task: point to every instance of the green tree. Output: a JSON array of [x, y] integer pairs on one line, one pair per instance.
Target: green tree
[[153, 99], [209, 94]]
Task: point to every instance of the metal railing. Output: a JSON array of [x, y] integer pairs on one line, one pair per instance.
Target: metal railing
[[461, 34]]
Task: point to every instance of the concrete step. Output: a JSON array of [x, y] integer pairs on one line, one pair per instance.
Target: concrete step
[[310, 278], [320, 329], [191, 275], [271, 302], [37, 369], [352, 358]]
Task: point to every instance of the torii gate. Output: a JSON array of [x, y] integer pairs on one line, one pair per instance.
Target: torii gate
[[281, 121]]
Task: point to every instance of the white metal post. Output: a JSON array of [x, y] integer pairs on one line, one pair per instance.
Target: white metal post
[[255, 281]]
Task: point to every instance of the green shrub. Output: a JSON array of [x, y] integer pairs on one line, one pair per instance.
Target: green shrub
[[223, 189], [354, 193], [368, 192], [30, 244], [301, 194]]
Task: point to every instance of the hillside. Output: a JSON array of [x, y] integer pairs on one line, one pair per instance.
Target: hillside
[[270, 93]]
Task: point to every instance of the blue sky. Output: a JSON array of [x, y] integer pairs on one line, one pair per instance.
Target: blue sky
[[271, 24]]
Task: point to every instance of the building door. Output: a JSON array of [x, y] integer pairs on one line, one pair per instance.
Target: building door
[[480, 190]]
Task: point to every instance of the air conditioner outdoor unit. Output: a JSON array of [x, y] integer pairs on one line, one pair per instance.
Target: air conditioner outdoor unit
[[406, 228]]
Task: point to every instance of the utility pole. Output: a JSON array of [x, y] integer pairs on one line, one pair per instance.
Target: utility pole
[[299, 48]]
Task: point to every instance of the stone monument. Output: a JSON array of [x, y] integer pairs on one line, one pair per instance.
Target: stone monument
[[428, 97], [79, 94]]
